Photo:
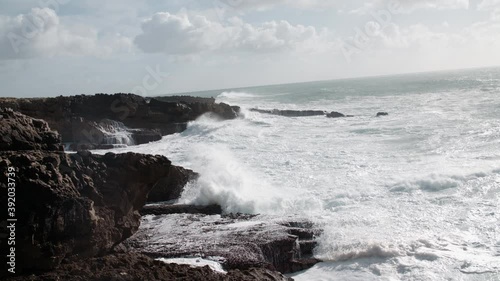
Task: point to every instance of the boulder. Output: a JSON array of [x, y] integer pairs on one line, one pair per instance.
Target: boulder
[[243, 241], [166, 209]]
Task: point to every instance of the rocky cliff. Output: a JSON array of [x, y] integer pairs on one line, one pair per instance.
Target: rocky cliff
[[102, 120], [70, 204]]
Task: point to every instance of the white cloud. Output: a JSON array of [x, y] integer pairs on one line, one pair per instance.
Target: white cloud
[[434, 4], [492, 6], [408, 6], [40, 33], [488, 4], [268, 4], [185, 34]]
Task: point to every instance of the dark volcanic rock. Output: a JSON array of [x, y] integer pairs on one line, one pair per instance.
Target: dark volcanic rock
[[137, 267], [166, 209], [382, 114], [80, 119], [20, 132], [171, 187], [145, 136], [335, 114], [290, 113], [244, 242], [80, 204]]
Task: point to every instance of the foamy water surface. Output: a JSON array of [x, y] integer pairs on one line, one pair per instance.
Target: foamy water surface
[[410, 196]]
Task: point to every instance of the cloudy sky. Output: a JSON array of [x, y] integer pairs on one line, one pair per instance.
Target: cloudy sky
[[154, 47]]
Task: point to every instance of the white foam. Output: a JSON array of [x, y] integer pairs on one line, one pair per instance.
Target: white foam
[[196, 262], [226, 181]]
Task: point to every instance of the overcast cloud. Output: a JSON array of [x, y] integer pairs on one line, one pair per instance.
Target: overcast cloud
[[79, 47]]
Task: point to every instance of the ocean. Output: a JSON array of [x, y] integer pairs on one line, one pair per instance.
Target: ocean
[[414, 195]]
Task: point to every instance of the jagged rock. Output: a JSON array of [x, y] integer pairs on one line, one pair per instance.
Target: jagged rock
[[145, 136], [171, 187], [243, 242], [79, 119], [382, 114], [166, 209], [137, 267], [186, 99], [20, 132], [290, 113]]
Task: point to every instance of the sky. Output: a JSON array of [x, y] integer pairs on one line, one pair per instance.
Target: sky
[[158, 47]]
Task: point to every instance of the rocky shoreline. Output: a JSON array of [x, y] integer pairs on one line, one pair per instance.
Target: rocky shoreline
[[102, 120], [79, 214]]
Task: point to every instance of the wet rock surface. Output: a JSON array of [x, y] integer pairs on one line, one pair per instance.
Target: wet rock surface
[[242, 241]]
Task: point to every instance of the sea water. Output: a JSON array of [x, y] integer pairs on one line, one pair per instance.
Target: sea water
[[414, 195]]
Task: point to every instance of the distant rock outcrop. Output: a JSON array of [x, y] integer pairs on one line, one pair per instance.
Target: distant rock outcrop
[[335, 114], [167, 209], [290, 113], [101, 120]]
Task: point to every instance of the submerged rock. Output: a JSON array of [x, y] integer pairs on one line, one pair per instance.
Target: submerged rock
[[242, 242], [335, 114], [290, 113]]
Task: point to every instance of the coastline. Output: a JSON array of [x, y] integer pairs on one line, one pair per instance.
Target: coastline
[[81, 207]]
